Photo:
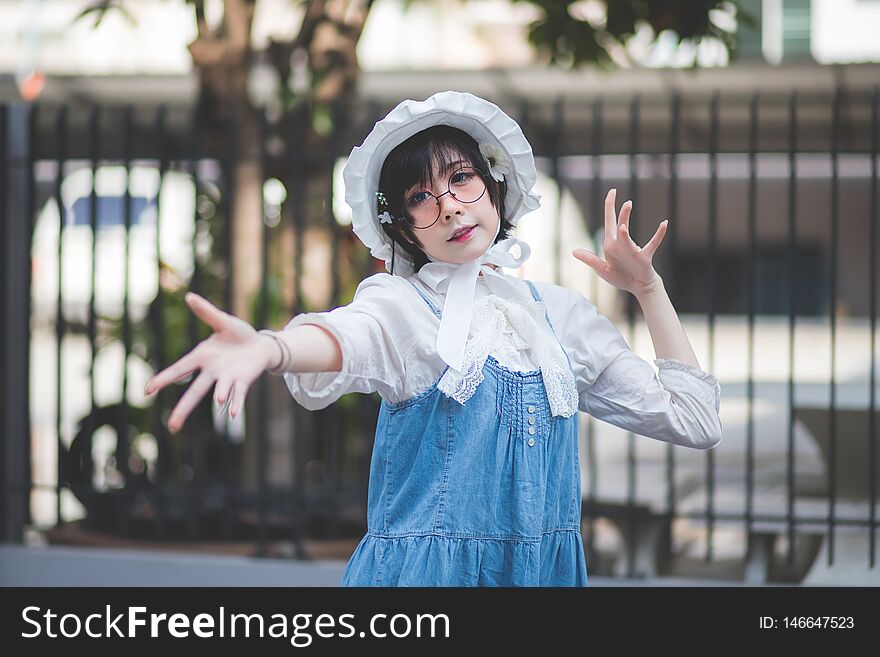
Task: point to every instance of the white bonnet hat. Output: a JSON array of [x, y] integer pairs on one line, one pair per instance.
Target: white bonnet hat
[[479, 118]]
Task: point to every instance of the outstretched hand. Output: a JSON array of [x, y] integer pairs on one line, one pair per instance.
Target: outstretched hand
[[233, 357], [626, 266]]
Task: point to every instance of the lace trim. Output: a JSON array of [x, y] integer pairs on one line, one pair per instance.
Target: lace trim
[[674, 364], [697, 373], [486, 325], [499, 326]]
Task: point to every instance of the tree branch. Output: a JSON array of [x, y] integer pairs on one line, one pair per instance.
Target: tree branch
[[238, 17], [201, 21], [315, 14], [210, 49]]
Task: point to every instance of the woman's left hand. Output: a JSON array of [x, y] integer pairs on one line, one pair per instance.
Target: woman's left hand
[[626, 266]]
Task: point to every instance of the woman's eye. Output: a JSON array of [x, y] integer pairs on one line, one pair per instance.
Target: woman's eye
[[418, 199], [461, 177]]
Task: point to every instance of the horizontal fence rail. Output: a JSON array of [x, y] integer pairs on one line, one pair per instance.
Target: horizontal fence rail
[[771, 260]]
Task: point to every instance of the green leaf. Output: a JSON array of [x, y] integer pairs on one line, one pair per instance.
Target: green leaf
[[100, 9]]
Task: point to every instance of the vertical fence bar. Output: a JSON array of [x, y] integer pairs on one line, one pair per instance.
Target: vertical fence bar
[[29, 214], [792, 310], [365, 402], [262, 315], [337, 112], [368, 406], [60, 326], [123, 447], [596, 196], [872, 320], [11, 519], [193, 425], [631, 464], [230, 482], [299, 124], [11, 522], [596, 205], [751, 279], [333, 437], [15, 459], [712, 286], [157, 324], [93, 224], [832, 284], [674, 147]]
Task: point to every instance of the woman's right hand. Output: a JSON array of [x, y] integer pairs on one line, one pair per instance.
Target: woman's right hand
[[233, 357]]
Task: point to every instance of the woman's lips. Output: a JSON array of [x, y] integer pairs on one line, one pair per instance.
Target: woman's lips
[[462, 237]]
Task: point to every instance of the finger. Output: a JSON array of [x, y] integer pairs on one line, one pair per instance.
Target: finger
[[223, 391], [654, 243], [172, 373], [231, 404], [239, 392], [589, 258], [224, 408], [206, 311], [188, 401], [623, 219], [610, 218]]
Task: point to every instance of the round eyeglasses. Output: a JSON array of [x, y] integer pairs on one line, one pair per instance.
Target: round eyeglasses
[[422, 208]]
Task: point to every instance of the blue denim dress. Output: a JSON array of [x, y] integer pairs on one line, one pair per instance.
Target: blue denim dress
[[486, 493]]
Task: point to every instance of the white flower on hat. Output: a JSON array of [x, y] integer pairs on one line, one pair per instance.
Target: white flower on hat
[[498, 163], [385, 217]]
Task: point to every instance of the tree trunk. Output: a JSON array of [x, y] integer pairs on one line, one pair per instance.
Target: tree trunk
[[328, 36], [221, 56]]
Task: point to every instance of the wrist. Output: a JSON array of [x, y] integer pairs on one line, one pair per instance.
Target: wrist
[[272, 351], [650, 288]]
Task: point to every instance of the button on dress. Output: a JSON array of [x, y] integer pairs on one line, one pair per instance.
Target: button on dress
[[485, 493]]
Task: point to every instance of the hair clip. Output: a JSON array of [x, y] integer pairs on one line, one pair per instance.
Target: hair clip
[[382, 201]]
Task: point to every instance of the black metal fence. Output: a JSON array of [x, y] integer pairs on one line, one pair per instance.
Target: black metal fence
[[112, 213]]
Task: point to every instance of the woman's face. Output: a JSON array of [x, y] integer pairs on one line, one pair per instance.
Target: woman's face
[[480, 217]]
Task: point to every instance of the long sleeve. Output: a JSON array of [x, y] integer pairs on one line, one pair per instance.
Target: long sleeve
[[374, 336], [678, 404]]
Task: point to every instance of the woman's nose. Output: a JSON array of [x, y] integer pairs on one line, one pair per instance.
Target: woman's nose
[[449, 205]]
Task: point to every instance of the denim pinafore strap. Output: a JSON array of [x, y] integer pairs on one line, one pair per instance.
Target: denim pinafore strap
[[485, 493]]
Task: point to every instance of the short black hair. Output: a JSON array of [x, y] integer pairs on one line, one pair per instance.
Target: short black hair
[[412, 163]]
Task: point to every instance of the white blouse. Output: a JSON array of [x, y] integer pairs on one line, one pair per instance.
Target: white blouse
[[387, 336]]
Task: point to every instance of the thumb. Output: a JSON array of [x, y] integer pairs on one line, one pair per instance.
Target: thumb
[[588, 258]]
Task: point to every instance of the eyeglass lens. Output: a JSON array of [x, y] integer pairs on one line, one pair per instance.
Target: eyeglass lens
[[466, 185]]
